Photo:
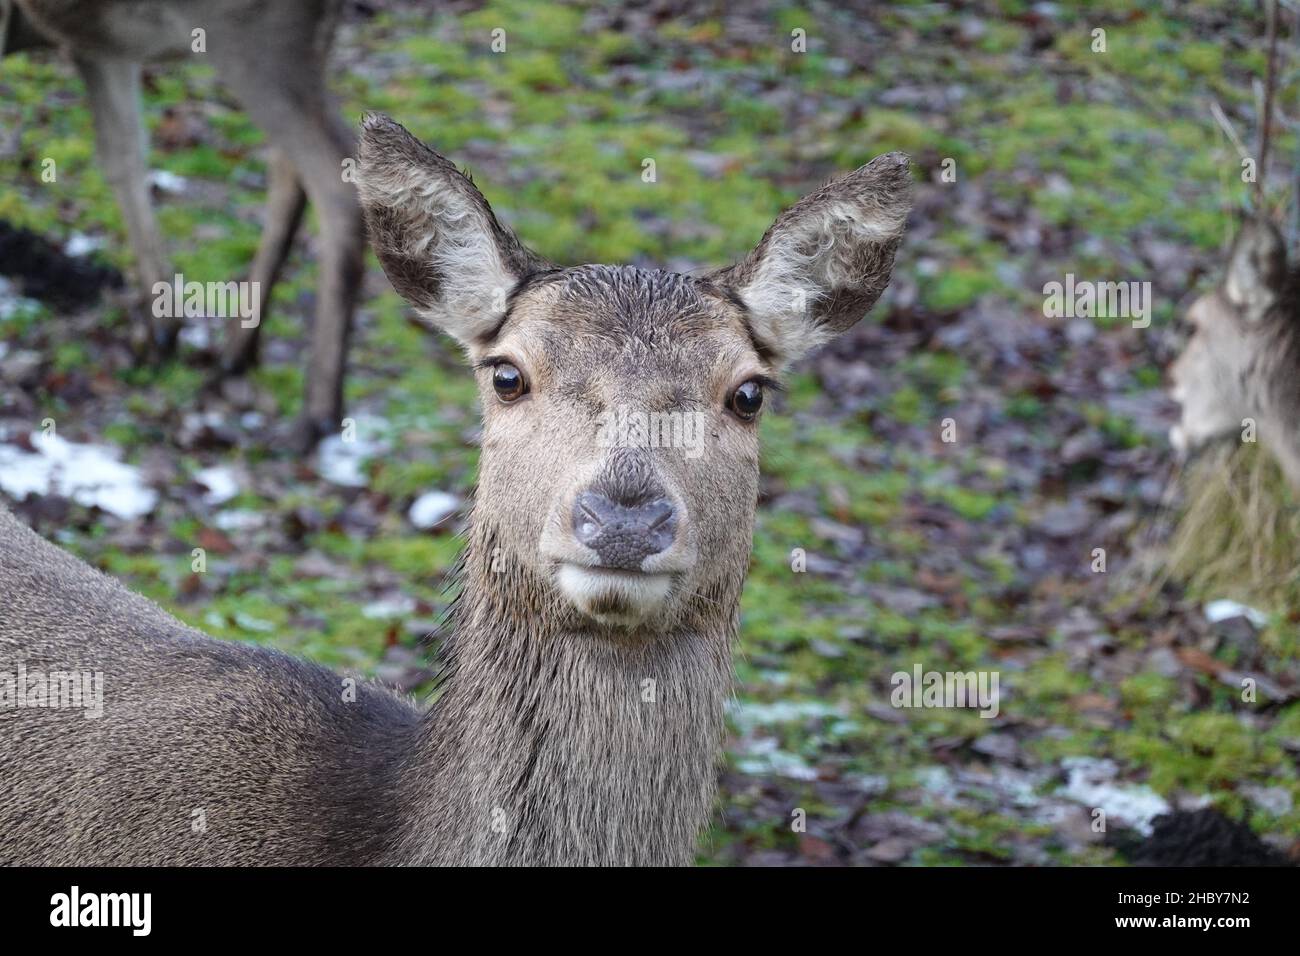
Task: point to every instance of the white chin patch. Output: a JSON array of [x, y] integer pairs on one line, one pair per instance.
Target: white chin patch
[[613, 597]]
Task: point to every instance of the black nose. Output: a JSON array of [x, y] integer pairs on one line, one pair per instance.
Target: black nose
[[623, 535]]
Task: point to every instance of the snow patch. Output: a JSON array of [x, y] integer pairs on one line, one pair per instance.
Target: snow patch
[[90, 475], [12, 303], [167, 182], [240, 519], [1091, 782], [196, 335], [765, 758], [748, 716], [80, 244], [341, 460], [395, 606], [1223, 610], [220, 482], [432, 508]]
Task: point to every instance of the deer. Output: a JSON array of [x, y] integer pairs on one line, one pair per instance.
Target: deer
[[272, 58], [583, 676], [1237, 373], [1241, 364]]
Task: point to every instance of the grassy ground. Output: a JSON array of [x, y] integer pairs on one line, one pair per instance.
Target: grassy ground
[[972, 554]]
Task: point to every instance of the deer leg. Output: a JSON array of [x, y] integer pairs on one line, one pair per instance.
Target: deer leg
[[294, 110], [285, 201], [341, 267], [113, 87]]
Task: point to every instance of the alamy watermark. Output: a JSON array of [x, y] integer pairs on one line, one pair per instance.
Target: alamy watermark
[[1083, 299], [626, 428], [55, 690], [179, 299], [946, 689], [75, 908]]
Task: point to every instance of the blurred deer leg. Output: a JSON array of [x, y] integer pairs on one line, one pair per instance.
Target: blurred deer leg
[[341, 270], [297, 115], [113, 87], [285, 201]]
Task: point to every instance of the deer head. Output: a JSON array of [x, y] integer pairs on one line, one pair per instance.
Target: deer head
[[1239, 363], [620, 446]]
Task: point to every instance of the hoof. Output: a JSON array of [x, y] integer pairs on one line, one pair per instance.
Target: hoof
[[239, 359]]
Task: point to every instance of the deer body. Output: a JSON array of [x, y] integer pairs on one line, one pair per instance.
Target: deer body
[[272, 57], [580, 712]]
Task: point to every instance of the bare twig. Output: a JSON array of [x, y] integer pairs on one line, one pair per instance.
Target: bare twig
[[1266, 115], [1225, 124]]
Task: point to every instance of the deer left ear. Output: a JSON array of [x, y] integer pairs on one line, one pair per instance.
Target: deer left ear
[[1256, 269], [826, 260], [435, 235]]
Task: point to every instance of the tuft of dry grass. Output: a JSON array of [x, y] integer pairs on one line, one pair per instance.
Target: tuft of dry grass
[[1239, 532]]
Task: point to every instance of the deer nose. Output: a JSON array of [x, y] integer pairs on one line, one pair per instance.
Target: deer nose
[[623, 535]]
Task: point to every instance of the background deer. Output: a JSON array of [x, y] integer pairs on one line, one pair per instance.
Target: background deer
[[1238, 370], [1243, 358], [272, 57], [588, 661]]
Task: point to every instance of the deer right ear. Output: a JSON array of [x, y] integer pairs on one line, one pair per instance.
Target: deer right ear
[[826, 259], [1256, 269], [435, 235]]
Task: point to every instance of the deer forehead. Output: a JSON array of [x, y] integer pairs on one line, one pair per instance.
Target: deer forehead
[[596, 331]]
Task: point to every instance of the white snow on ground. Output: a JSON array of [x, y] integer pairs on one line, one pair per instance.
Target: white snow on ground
[[221, 483], [432, 508], [764, 758], [80, 244], [397, 605], [340, 461], [1222, 610], [196, 334], [748, 715], [11, 303], [762, 755], [167, 182], [241, 519], [90, 475], [1091, 782]]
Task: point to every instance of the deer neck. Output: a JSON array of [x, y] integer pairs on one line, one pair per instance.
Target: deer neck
[[1279, 405], [555, 742]]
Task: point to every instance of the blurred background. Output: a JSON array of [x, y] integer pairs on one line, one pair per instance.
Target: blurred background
[[1118, 689]]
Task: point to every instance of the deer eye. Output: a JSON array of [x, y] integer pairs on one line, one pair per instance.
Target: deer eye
[[508, 382], [746, 400]]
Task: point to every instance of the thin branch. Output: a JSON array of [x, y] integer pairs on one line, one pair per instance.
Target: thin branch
[[1225, 124], [1266, 117]]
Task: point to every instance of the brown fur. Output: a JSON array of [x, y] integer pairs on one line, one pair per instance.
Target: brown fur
[[560, 735]]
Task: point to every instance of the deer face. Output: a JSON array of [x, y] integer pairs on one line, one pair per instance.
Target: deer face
[[620, 435], [620, 405], [1217, 379]]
